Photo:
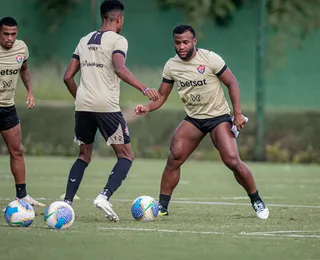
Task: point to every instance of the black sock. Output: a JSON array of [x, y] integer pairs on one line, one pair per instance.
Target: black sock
[[75, 178], [21, 191], [164, 200], [254, 197], [117, 176]]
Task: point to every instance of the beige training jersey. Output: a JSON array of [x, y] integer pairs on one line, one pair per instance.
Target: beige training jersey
[[198, 83], [10, 64], [99, 89]]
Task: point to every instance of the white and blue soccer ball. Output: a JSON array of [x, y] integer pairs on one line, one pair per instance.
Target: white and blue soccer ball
[[145, 208], [59, 215], [19, 213]]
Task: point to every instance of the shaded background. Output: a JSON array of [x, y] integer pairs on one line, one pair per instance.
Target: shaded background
[[291, 76]]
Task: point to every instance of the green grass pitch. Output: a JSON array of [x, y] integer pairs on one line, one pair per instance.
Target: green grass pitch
[[210, 216]]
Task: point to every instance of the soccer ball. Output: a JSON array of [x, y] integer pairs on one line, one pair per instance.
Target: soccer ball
[[144, 208], [59, 215], [19, 213]]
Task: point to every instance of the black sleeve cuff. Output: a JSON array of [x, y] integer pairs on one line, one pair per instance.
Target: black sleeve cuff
[[222, 70], [170, 81], [75, 56], [119, 51]]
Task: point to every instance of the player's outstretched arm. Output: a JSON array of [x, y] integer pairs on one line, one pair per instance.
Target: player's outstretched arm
[[164, 92], [231, 82], [68, 78], [26, 79], [125, 74]]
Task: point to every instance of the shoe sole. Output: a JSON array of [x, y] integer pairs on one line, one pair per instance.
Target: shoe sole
[[110, 215]]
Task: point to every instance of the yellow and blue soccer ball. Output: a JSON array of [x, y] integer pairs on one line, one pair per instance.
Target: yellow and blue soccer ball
[[145, 208], [59, 215], [19, 213]]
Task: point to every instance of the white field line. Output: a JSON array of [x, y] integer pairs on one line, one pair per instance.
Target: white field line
[[193, 202], [163, 230], [285, 233]]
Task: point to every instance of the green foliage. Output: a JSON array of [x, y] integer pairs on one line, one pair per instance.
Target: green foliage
[[290, 136], [292, 20], [54, 11], [198, 11]]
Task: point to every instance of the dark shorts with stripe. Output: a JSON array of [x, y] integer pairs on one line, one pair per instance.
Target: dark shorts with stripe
[[8, 118], [207, 125], [112, 127]]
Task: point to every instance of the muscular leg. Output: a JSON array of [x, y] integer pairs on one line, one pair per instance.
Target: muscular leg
[[226, 144], [77, 171], [120, 171], [185, 140], [13, 140]]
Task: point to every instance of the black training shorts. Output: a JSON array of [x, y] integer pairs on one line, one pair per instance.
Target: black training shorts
[[112, 127], [208, 124], [8, 118]]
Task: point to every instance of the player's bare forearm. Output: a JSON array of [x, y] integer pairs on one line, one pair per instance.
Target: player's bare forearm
[[124, 74], [72, 86], [154, 105], [234, 94], [26, 78]]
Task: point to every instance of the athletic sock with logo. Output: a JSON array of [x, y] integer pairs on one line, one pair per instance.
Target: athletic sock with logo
[[117, 176], [75, 178]]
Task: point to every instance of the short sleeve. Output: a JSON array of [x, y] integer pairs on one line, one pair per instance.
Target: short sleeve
[[166, 75], [217, 64], [76, 54], [121, 46], [26, 56]]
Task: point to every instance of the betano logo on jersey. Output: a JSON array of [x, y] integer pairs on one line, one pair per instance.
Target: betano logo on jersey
[[192, 83], [8, 72]]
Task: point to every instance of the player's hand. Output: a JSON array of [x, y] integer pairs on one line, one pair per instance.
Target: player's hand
[[239, 121], [30, 101], [141, 110], [152, 94]]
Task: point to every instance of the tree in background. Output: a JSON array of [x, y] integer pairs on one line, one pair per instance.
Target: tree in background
[[289, 20]]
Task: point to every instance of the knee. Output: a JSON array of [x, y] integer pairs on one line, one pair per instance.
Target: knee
[[233, 162], [126, 153], [17, 151], [85, 156], [176, 157]]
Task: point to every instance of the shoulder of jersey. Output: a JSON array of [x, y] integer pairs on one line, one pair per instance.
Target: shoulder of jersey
[[205, 51], [19, 43]]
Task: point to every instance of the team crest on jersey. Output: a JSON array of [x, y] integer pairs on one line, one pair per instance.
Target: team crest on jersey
[[19, 58], [201, 69]]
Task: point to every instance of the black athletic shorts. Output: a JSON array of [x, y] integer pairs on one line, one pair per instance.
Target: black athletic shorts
[[112, 127], [8, 118], [208, 124]]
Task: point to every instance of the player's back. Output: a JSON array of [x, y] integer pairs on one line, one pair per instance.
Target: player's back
[[99, 88]]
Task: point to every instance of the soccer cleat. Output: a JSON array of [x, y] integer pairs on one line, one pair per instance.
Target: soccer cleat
[[261, 209], [163, 211], [101, 202], [32, 201]]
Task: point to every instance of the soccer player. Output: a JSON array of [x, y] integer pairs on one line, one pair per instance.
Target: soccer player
[[198, 75], [13, 62], [100, 56]]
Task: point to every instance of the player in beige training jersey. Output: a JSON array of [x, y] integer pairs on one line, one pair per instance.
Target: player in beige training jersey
[[100, 57], [198, 75], [13, 63]]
